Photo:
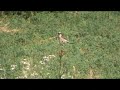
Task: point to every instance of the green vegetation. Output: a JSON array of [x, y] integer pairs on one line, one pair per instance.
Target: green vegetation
[[29, 47]]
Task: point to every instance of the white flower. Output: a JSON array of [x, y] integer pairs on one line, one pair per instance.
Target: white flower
[[47, 58], [13, 67], [51, 56], [34, 74], [69, 76], [24, 59], [27, 67], [41, 62], [48, 73], [1, 78], [25, 74], [63, 76], [1, 69], [24, 62], [42, 68], [35, 65]]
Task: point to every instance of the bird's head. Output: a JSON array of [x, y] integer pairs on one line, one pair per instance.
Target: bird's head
[[59, 34]]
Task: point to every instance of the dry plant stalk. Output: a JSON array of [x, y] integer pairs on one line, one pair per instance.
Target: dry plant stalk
[[61, 53], [91, 74]]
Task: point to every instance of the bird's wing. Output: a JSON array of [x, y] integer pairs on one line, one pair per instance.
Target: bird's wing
[[64, 36]]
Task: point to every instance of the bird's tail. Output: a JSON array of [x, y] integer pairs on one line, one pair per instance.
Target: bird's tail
[[70, 42]]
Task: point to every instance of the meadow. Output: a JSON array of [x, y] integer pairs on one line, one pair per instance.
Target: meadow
[[29, 47]]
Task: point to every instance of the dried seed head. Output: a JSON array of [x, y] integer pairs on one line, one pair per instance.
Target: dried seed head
[[61, 53]]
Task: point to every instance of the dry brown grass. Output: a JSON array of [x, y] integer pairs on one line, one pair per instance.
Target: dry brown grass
[[5, 28], [93, 74], [84, 50]]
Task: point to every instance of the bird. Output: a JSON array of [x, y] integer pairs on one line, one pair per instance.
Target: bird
[[62, 39]]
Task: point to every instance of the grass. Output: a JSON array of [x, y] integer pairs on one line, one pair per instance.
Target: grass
[[94, 53]]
